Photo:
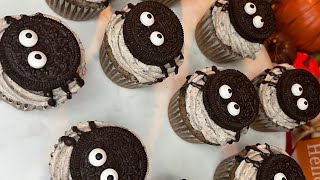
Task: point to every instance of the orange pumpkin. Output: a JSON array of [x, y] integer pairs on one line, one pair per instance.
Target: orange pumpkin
[[300, 20]]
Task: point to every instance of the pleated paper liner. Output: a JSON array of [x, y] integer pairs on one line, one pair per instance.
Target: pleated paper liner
[[179, 120], [76, 10], [210, 45], [114, 72]]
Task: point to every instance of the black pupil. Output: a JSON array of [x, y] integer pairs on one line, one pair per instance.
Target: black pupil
[[99, 156], [284, 178], [230, 91], [149, 16], [110, 177], [306, 103], [300, 88], [262, 20], [236, 106], [37, 56], [159, 36], [252, 6], [28, 35]]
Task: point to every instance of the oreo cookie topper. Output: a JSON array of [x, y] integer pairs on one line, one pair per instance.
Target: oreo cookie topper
[[298, 93], [106, 153], [230, 99], [40, 54], [271, 165], [153, 34], [254, 20]]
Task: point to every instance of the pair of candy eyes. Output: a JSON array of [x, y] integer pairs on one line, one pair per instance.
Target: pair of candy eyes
[[250, 9], [147, 19], [225, 92], [98, 157], [297, 90], [36, 59]]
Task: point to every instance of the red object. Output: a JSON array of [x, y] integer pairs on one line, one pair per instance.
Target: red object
[[304, 61]]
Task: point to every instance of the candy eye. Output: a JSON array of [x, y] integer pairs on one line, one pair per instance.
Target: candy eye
[[258, 22], [157, 38], [97, 157], [250, 8], [233, 109], [302, 104], [225, 92], [147, 19], [28, 38], [109, 174], [280, 176], [37, 59], [296, 89]]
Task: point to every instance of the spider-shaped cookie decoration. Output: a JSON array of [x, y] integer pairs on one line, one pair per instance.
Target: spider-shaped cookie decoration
[[273, 166], [230, 99], [153, 34], [253, 19], [298, 93], [106, 153], [40, 54]]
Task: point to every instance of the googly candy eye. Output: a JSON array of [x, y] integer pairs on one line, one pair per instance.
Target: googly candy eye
[[147, 19], [37, 59], [280, 176], [156, 38], [233, 109], [258, 22], [97, 157], [250, 8], [296, 89], [302, 104], [28, 38], [225, 92], [109, 174]]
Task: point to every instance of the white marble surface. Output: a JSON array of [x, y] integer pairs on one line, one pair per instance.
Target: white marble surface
[[27, 138]]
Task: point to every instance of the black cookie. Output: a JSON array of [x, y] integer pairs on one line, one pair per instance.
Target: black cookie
[[254, 20], [108, 152], [153, 33], [34, 40], [230, 100], [279, 166], [298, 94]]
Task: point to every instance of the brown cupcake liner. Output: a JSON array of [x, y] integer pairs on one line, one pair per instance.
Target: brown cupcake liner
[[209, 43], [114, 72], [165, 2], [227, 168], [76, 10], [180, 122]]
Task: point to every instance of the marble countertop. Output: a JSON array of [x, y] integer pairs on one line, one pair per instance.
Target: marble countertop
[[27, 138]]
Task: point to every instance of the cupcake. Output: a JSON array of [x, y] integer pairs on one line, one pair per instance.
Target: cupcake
[[165, 2], [142, 45], [78, 10], [41, 62], [214, 107], [259, 162], [289, 98], [97, 150], [235, 29]]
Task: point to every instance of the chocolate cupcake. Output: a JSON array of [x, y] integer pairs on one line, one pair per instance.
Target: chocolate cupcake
[[42, 62], [142, 45], [165, 2], [289, 98], [78, 10], [214, 107], [235, 29], [97, 150], [260, 162]]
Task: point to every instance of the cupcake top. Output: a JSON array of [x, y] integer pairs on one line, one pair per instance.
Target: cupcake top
[[146, 40], [40, 54], [96, 150], [243, 25], [263, 162], [221, 104], [290, 97]]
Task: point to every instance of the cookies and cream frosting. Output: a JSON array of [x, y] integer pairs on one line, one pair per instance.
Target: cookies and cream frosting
[[222, 117], [229, 36], [30, 80], [144, 43], [289, 97], [98, 150], [267, 162]]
